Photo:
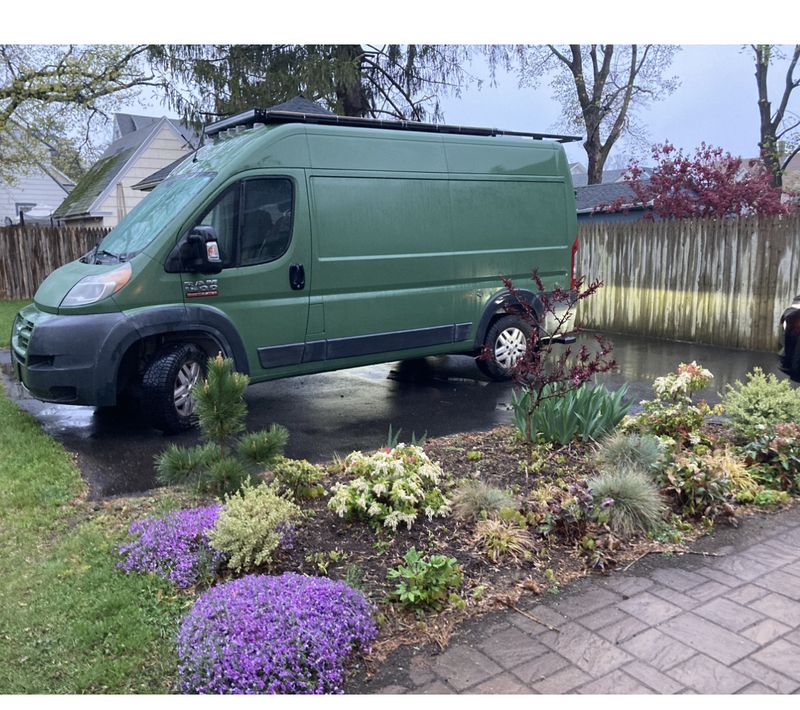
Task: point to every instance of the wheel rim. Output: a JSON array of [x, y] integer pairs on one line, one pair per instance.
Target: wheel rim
[[184, 381], [509, 347]]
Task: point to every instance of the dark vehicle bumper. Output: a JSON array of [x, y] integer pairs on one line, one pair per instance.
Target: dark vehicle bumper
[[789, 357], [66, 359]]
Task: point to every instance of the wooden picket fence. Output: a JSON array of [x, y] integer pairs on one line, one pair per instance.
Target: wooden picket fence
[[722, 282], [29, 253]]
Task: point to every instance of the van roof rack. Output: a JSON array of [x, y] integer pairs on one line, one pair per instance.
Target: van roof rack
[[255, 116]]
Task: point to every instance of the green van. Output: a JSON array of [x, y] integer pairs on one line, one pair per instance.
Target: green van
[[297, 243]]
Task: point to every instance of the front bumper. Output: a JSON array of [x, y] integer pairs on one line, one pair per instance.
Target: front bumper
[[66, 359]]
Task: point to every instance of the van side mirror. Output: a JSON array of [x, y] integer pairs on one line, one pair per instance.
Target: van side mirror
[[197, 252]]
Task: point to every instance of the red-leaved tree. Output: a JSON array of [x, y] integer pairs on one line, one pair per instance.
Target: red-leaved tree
[[711, 183]]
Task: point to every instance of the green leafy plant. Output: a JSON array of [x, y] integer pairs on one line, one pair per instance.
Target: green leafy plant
[[760, 403], [700, 490], [226, 460], [629, 500], [297, 478], [322, 561], [253, 524], [585, 414], [774, 456], [425, 583], [475, 500], [393, 438], [498, 539], [390, 487], [564, 511]]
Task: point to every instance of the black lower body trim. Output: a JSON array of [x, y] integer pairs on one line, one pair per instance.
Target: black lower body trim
[[357, 346]]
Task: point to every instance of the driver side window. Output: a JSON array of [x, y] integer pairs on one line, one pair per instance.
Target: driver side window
[[253, 221]]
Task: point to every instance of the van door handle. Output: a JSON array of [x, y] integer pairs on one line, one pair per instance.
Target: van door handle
[[297, 277]]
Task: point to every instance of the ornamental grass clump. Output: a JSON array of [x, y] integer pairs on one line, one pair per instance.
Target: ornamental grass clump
[[175, 547], [390, 487], [289, 634], [629, 500]]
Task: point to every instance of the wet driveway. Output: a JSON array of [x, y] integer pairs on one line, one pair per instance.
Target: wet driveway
[[339, 412]]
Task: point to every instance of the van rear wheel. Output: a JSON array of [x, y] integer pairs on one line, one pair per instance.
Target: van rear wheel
[[167, 387], [507, 340]]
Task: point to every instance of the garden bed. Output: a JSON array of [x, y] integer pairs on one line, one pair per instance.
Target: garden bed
[[460, 525]]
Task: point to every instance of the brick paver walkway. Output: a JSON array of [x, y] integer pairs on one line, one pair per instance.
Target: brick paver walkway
[[728, 623]]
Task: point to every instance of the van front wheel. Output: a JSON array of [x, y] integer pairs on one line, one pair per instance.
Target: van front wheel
[[167, 387], [507, 341]]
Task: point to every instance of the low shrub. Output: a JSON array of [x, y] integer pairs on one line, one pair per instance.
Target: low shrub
[[700, 490], [760, 403], [290, 634], [629, 500], [252, 526], [425, 583], [724, 463], [585, 414], [175, 547], [498, 539], [390, 487], [297, 478], [774, 456], [562, 511], [476, 500], [642, 452], [672, 413]]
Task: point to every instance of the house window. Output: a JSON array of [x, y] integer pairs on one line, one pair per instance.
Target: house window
[[23, 207]]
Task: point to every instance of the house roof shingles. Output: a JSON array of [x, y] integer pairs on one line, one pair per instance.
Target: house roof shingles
[[133, 131]]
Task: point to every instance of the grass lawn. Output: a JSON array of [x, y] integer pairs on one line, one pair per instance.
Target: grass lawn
[[8, 309], [69, 621]]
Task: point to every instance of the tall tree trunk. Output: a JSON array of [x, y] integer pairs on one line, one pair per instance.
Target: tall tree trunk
[[768, 144], [350, 92]]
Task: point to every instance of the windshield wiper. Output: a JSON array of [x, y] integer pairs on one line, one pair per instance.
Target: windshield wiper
[[110, 255]]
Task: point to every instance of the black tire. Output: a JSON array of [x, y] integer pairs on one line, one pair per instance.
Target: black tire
[[166, 385], [507, 340]]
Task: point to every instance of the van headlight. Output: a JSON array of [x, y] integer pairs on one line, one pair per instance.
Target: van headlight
[[95, 288]]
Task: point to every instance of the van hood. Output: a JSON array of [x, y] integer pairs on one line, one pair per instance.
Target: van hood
[[58, 284]]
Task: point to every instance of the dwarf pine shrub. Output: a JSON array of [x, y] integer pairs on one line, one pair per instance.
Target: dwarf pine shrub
[[289, 634], [227, 459]]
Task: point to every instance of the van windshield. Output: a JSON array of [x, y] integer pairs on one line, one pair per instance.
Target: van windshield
[[149, 217]]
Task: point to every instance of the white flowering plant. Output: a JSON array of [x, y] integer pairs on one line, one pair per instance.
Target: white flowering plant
[[673, 413], [390, 487]]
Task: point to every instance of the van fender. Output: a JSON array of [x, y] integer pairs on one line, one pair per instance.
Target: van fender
[[504, 303], [169, 321], [173, 320]]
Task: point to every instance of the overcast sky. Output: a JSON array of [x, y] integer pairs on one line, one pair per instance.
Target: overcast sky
[[715, 102]]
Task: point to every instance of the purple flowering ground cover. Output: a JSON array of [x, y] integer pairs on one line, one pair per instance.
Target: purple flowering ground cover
[[281, 634], [174, 547]]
